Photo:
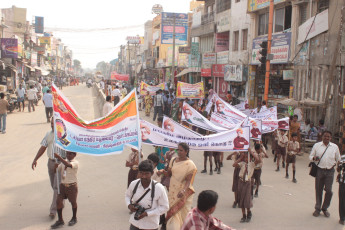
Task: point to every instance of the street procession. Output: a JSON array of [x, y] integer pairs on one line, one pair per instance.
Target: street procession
[[191, 115]]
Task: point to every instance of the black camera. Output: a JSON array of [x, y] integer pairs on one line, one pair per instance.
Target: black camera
[[140, 210]]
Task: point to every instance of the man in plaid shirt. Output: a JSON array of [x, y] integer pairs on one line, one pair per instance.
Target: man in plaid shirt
[[200, 218]]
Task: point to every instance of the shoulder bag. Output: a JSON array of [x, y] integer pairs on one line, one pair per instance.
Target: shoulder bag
[[314, 167]]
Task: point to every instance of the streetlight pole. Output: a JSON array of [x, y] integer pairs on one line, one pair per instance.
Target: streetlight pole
[[269, 45]]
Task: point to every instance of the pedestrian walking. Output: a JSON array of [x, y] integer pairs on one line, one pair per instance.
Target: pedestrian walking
[[327, 155], [200, 217], [293, 149], [148, 104], [341, 180], [260, 152], [236, 176], [132, 162], [48, 104], [3, 113], [48, 145], [158, 105], [182, 171], [146, 199], [107, 107], [68, 187], [32, 96], [281, 148], [116, 93], [21, 97]]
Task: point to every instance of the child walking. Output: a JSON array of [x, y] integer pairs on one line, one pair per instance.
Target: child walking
[[281, 148], [293, 150], [68, 187], [244, 185], [260, 152], [236, 177]]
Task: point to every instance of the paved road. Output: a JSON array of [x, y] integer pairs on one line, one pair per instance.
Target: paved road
[[25, 195]]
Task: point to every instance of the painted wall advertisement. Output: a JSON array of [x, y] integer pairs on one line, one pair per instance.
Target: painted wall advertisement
[[222, 42], [209, 59], [181, 28], [194, 57], [223, 21], [233, 73], [9, 48], [280, 48], [218, 70], [254, 5], [223, 57]]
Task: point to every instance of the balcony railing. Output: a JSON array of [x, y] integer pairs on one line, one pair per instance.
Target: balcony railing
[[207, 18]]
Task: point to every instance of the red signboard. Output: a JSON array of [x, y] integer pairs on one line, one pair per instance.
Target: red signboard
[[120, 77], [223, 88], [205, 72], [218, 70]]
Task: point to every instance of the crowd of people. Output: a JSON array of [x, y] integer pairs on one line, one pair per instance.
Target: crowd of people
[[160, 188]]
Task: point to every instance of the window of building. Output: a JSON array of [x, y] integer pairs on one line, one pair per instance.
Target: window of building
[[236, 40], [282, 20], [244, 39], [322, 5], [302, 13], [223, 5], [263, 24], [237, 1]]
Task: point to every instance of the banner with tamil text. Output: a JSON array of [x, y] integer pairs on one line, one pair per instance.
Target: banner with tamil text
[[232, 140], [269, 126], [193, 117], [103, 136], [191, 91], [144, 88]]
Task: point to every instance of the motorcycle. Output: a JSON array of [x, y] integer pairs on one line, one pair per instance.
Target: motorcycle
[[13, 103]]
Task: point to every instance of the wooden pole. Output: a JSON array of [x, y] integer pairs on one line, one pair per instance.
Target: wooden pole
[[269, 45]]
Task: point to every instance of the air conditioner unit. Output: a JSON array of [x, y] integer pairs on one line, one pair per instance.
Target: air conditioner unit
[[298, 2]]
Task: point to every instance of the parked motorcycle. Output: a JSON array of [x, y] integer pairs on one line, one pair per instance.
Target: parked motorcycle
[[13, 103]]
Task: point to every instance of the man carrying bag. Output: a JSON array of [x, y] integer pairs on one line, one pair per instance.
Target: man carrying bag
[[326, 154], [146, 199]]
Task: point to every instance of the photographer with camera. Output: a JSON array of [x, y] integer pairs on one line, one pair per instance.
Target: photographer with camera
[[327, 155], [146, 199]]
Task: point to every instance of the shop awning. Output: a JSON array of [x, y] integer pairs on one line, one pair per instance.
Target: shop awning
[[189, 70], [310, 102], [30, 67], [12, 67], [288, 102], [43, 71]]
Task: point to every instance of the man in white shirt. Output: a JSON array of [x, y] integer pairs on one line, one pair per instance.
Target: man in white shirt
[[48, 104], [116, 93], [149, 195], [158, 105], [326, 155], [107, 107], [32, 95], [21, 96]]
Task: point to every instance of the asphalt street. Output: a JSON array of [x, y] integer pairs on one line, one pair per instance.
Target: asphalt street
[[25, 195]]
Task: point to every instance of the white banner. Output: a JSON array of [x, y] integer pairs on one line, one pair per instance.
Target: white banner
[[269, 114], [243, 106], [224, 121], [225, 108], [269, 126], [232, 140], [193, 117], [174, 127], [255, 129]]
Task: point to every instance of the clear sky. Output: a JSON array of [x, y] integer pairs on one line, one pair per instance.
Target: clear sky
[[96, 45]]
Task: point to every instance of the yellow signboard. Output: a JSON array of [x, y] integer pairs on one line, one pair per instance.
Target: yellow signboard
[[254, 5]]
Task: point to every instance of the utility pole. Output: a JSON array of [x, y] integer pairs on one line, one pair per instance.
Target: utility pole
[[333, 64], [269, 45], [172, 75]]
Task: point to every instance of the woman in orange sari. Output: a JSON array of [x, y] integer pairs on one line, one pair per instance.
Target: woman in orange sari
[[181, 191]]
